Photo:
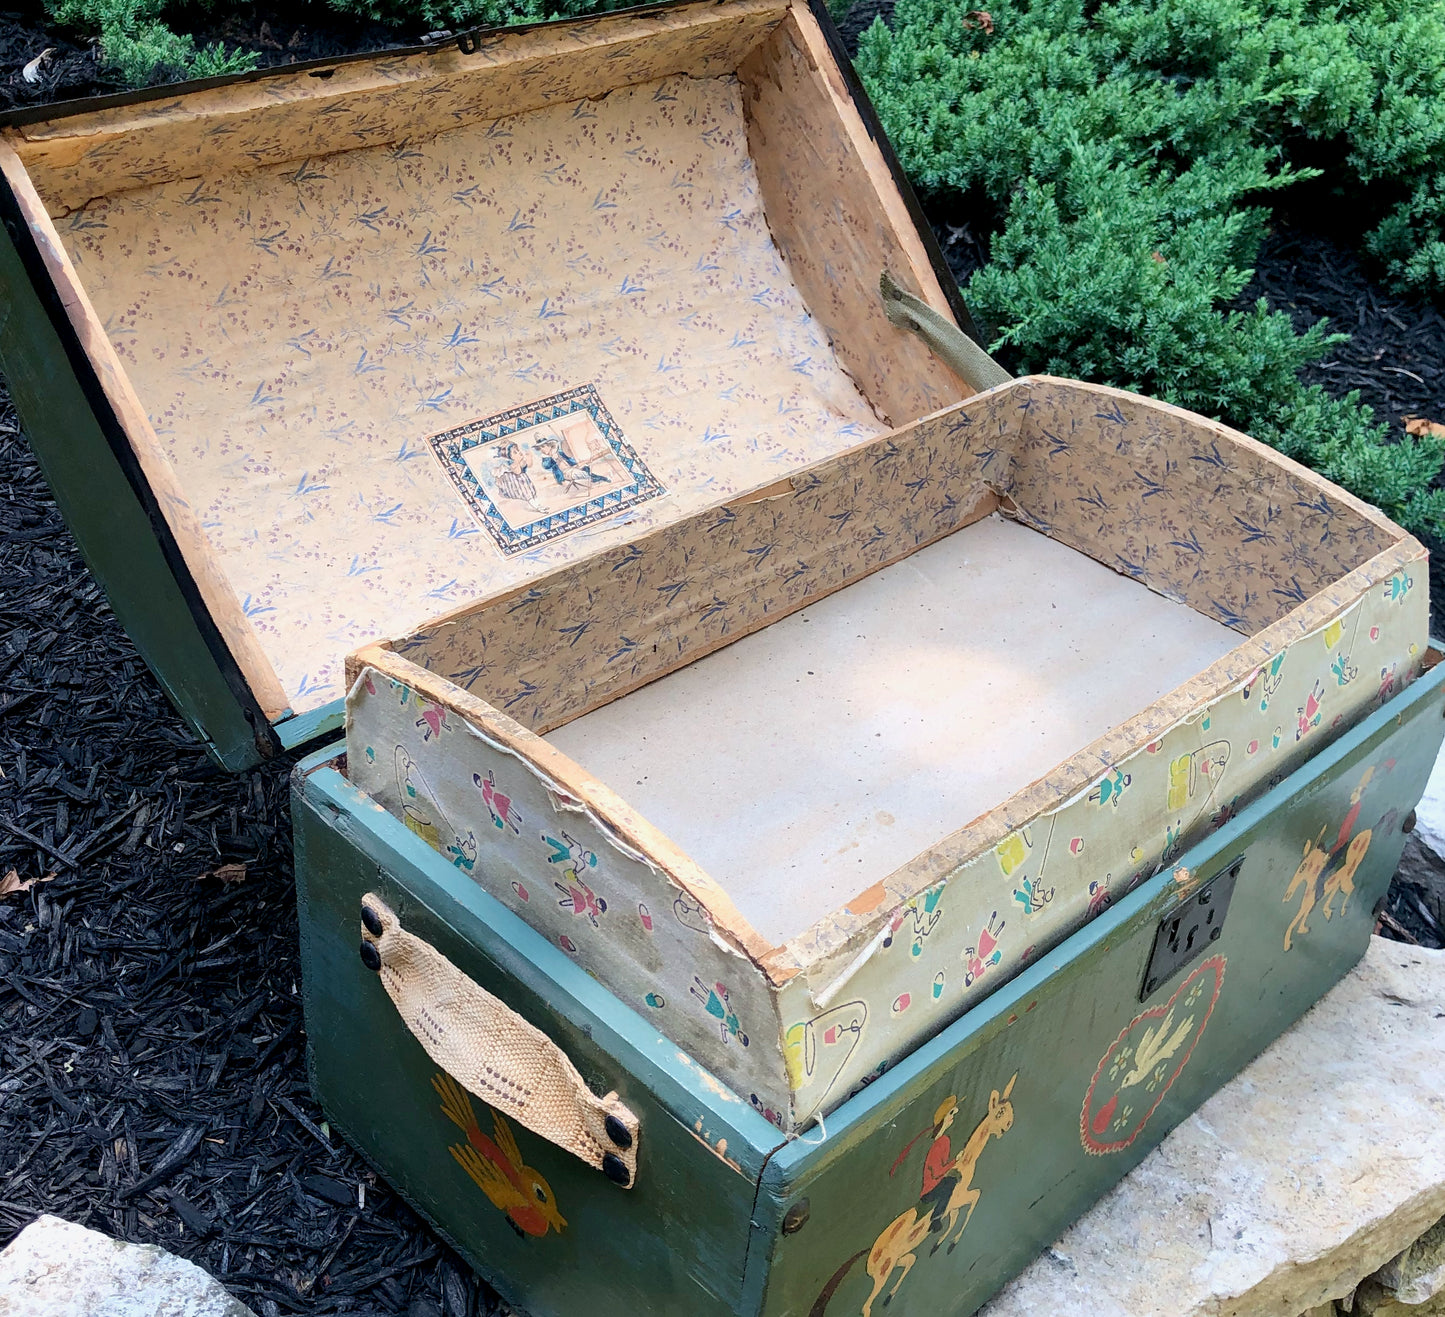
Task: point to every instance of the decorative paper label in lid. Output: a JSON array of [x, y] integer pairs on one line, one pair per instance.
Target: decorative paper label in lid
[[544, 469]]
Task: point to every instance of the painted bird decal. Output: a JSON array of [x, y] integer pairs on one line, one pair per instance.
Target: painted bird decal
[[496, 1165], [1156, 1047]]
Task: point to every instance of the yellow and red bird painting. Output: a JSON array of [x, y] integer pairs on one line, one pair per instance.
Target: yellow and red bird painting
[[495, 1164]]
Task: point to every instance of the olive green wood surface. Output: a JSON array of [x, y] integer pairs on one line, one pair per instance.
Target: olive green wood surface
[[121, 541], [676, 1242], [697, 1235], [1051, 1026]]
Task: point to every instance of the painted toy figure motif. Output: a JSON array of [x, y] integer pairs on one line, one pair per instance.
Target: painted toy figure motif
[[419, 810], [499, 806], [817, 1050], [947, 1191], [1265, 682], [717, 1003], [1308, 715], [979, 959], [1033, 896], [925, 914], [577, 896], [496, 1167], [1111, 789], [463, 852], [433, 721], [1324, 874]]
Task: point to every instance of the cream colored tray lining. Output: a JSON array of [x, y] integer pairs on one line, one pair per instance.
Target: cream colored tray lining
[[816, 756], [297, 333]]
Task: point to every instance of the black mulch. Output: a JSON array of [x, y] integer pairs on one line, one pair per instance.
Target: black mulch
[[275, 33], [152, 1079], [153, 1082]]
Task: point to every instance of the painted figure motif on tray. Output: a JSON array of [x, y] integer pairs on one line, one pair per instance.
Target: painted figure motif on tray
[[1141, 1064], [1265, 682], [1032, 895], [1327, 871], [1013, 850], [815, 1051], [499, 805], [690, 914], [463, 852], [1398, 587], [924, 913], [1111, 788], [496, 1167], [574, 859], [946, 1193], [1308, 715], [419, 810], [718, 1003], [979, 959], [1189, 773], [433, 721]]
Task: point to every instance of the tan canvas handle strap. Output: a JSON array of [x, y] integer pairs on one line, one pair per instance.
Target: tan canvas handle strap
[[950, 344], [492, 1052]]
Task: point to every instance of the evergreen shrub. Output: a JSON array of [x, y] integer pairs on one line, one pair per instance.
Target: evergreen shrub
[[1126, 154]]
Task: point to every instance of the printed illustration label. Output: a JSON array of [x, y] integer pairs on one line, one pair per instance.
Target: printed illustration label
[[545, 469]]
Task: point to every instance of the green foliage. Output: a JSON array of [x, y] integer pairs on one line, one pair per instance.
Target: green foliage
[[458, 14], [1131, 150], [137, 45]]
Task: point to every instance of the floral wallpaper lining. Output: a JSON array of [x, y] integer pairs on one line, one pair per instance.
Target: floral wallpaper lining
[[298, 334]]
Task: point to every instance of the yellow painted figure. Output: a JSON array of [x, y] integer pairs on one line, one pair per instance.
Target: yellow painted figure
[[948, 1190]]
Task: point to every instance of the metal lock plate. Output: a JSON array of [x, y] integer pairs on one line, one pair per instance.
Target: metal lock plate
[[1189, 928]]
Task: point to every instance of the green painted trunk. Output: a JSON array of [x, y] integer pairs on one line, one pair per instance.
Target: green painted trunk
[[939, 1181]]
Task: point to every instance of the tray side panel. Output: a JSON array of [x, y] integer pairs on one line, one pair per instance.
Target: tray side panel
[[676, 1242], [549, 855], [949, 1174], [1030, 876]]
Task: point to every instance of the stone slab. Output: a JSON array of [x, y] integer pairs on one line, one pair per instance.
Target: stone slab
[[54, 1268], [1314, 1168], [1430, 812]]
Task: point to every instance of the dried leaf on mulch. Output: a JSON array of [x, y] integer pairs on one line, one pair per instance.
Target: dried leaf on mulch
[[12, 882], [1420, 427], [224, 874]]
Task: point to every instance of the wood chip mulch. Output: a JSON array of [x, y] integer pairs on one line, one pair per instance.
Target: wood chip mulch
[[152, 1073]]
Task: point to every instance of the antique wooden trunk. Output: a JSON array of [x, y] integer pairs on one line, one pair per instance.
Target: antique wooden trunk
[[774, 765]]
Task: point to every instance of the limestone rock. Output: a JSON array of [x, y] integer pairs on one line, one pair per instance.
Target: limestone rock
[[1430, 812], [1418, 1274], [53, 1268], [1318, 1165]]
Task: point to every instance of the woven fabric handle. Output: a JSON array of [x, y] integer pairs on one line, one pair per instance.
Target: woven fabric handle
[[492, 1052], [950, 344]]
